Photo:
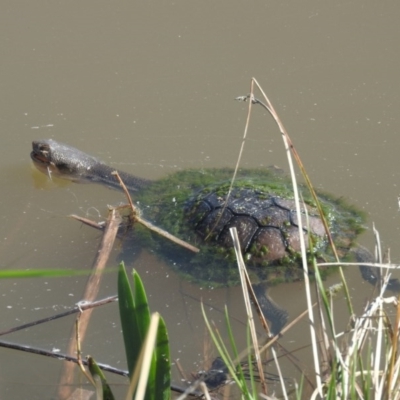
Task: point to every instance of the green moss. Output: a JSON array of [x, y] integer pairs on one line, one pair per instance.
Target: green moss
[[165, 203]]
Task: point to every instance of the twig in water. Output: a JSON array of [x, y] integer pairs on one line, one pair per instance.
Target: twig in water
[[149, 225], [78, 308], [89, 222], [61, 356]]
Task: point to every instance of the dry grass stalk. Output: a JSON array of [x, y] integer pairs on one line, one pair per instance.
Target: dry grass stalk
[[136, 218], [90, 294], [244, 280], [290, 149], [385, 378]]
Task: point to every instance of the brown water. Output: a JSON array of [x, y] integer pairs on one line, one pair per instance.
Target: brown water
[[149, 88]]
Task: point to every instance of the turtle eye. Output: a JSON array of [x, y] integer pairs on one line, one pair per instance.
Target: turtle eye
[[44, 149]]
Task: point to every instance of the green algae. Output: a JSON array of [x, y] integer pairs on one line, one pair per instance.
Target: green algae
[[168, 203]]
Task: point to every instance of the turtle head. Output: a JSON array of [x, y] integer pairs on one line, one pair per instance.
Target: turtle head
[[52, 157]]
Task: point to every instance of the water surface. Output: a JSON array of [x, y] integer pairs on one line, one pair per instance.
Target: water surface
[[149, 88]]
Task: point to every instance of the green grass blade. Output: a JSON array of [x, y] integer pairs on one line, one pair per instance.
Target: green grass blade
[[40, 273], [236, 372], [239, 370], [299, 388], [251, 365], [142, 311], [159, 380], [97, 374], [151, 380]]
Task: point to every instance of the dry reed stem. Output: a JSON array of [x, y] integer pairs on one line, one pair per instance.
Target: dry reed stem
[[290, 149], [79, 352], [391, 381], [90, 293], [141, 373], [204, 389], [247, 289], [244, 280]]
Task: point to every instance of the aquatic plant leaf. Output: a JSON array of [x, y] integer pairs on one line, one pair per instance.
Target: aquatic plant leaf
[[135, 317], [135, 321], [142, 310], [97, 374], [162, 364]]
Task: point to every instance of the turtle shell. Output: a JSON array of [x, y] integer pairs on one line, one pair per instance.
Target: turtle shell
[[194, 205], [267, 226]]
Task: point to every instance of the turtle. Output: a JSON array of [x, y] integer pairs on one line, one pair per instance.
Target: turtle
[[200, 206]]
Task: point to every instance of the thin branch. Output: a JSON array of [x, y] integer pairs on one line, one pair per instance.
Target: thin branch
[[78, 308], [65, 357]]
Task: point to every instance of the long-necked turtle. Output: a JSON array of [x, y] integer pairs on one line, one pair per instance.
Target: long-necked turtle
[[193, 205]]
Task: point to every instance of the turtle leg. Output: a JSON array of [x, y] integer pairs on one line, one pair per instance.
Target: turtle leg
[[371, 274], [216, 375], [274, 313]]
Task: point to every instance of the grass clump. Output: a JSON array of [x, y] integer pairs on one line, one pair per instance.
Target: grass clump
[[361, 363]]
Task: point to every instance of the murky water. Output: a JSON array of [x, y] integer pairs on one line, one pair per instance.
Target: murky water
[[149, 88]]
